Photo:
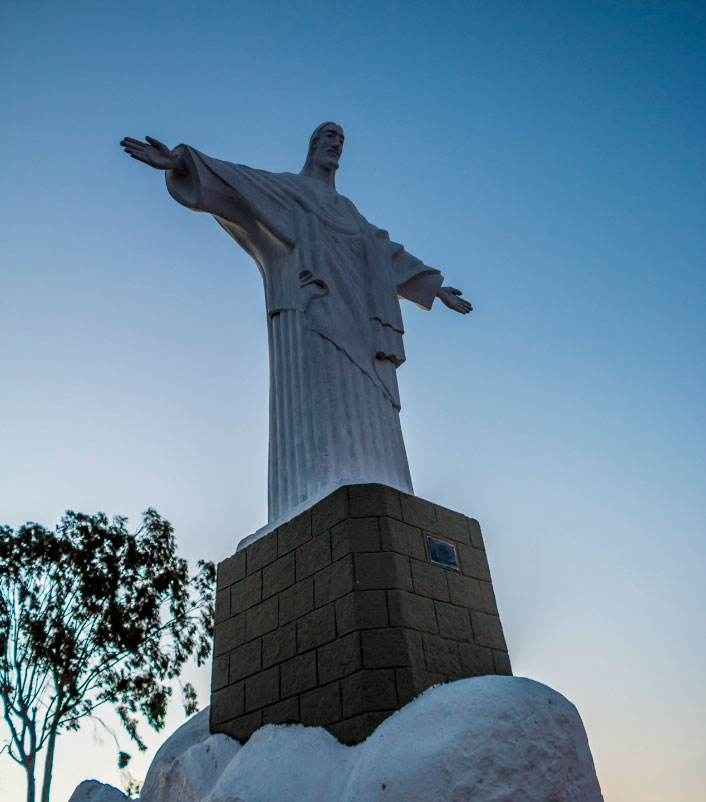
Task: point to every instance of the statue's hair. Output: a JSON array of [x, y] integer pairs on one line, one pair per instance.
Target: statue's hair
[[314, 139]]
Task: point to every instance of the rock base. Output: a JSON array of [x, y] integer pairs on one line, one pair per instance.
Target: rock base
[[488, 739]]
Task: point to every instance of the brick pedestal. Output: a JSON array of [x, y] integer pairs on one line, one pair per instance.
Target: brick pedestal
[[340, 617]]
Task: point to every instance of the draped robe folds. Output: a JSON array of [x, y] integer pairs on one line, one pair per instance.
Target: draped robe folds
[[332, 282]]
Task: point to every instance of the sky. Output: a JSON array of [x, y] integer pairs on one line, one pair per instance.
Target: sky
[[546, 155]]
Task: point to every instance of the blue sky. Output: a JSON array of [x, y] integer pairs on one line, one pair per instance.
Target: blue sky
[[547, 156]]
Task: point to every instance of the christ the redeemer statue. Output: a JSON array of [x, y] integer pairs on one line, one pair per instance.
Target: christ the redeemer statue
[[332, 283]]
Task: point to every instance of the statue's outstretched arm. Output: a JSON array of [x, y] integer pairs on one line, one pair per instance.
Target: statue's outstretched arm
[[450, 297], [424, 284], [154, 153]]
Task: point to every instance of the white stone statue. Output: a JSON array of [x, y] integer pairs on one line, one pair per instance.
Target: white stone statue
[[332, 283]]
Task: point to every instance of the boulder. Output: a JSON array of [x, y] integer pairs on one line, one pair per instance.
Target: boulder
[[188, 763], [485, 739], [93, 791]]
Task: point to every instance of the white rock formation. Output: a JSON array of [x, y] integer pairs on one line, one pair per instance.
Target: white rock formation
[[188, 763], [487, 739], [93, 791]]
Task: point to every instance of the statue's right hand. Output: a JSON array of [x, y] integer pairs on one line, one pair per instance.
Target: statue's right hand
[[152, 152]]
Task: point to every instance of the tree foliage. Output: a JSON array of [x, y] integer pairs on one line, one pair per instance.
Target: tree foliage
[[90, 615]]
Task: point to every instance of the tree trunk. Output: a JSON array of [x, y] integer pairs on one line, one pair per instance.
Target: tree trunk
[[31, 785], [49, 760]]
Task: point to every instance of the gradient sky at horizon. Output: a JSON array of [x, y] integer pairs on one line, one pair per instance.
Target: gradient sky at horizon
[[546, 155]]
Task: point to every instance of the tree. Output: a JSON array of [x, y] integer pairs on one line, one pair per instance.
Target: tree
[[90, 615]]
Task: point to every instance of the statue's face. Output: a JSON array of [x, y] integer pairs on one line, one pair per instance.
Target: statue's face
[[328, 148]]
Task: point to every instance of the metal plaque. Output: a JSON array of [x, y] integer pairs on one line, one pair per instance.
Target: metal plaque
[[442, 553]]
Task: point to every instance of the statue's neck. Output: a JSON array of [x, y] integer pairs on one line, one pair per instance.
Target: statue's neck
[[319, 173]]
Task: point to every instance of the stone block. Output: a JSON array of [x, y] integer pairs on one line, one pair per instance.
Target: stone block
[[296, 601], [442, 656], [222, 605], [229, 634], [369, 690], [487, 631], [279, 645], [382, 571], [418, 512], [430, 580], [402, 538], [313, 556], [333, 581], [261, 552], [452, 525], [227, 703], [246, 593], [298, 674], [219, 672], [245, 660], [316, 628], [362, 609], [355, 534], [454, 622], [261, 618], [476, 535], [374, 501], [278, 575], [262, 689], [392, 647], [231, 570], [489, 604], [465, 591], [339, 658], [409, 610], [355, 729], [321, 706], [329, 511], [473, 562], [413, 681], [501, 662], [284, 712], [243, 727], [294, 533], [476, 661]]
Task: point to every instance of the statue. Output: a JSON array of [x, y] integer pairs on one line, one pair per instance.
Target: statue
[[332, 282]]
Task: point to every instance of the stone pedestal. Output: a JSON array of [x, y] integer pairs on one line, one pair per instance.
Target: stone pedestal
[[341, 616]]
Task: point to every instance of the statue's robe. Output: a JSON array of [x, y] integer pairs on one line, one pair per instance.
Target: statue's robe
[[332, 282]]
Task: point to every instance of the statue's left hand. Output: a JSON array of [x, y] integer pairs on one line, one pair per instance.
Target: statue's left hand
[[451, 298]]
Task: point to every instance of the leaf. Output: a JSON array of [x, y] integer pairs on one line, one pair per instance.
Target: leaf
[[189, 699]]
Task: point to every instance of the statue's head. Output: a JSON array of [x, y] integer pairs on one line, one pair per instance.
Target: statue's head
[[325, 147]]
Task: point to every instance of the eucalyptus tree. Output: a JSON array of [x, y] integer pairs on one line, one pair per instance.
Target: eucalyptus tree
[[93, 615]]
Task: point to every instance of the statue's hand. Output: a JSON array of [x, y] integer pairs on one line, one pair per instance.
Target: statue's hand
[[152, 152], [451, 298]]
